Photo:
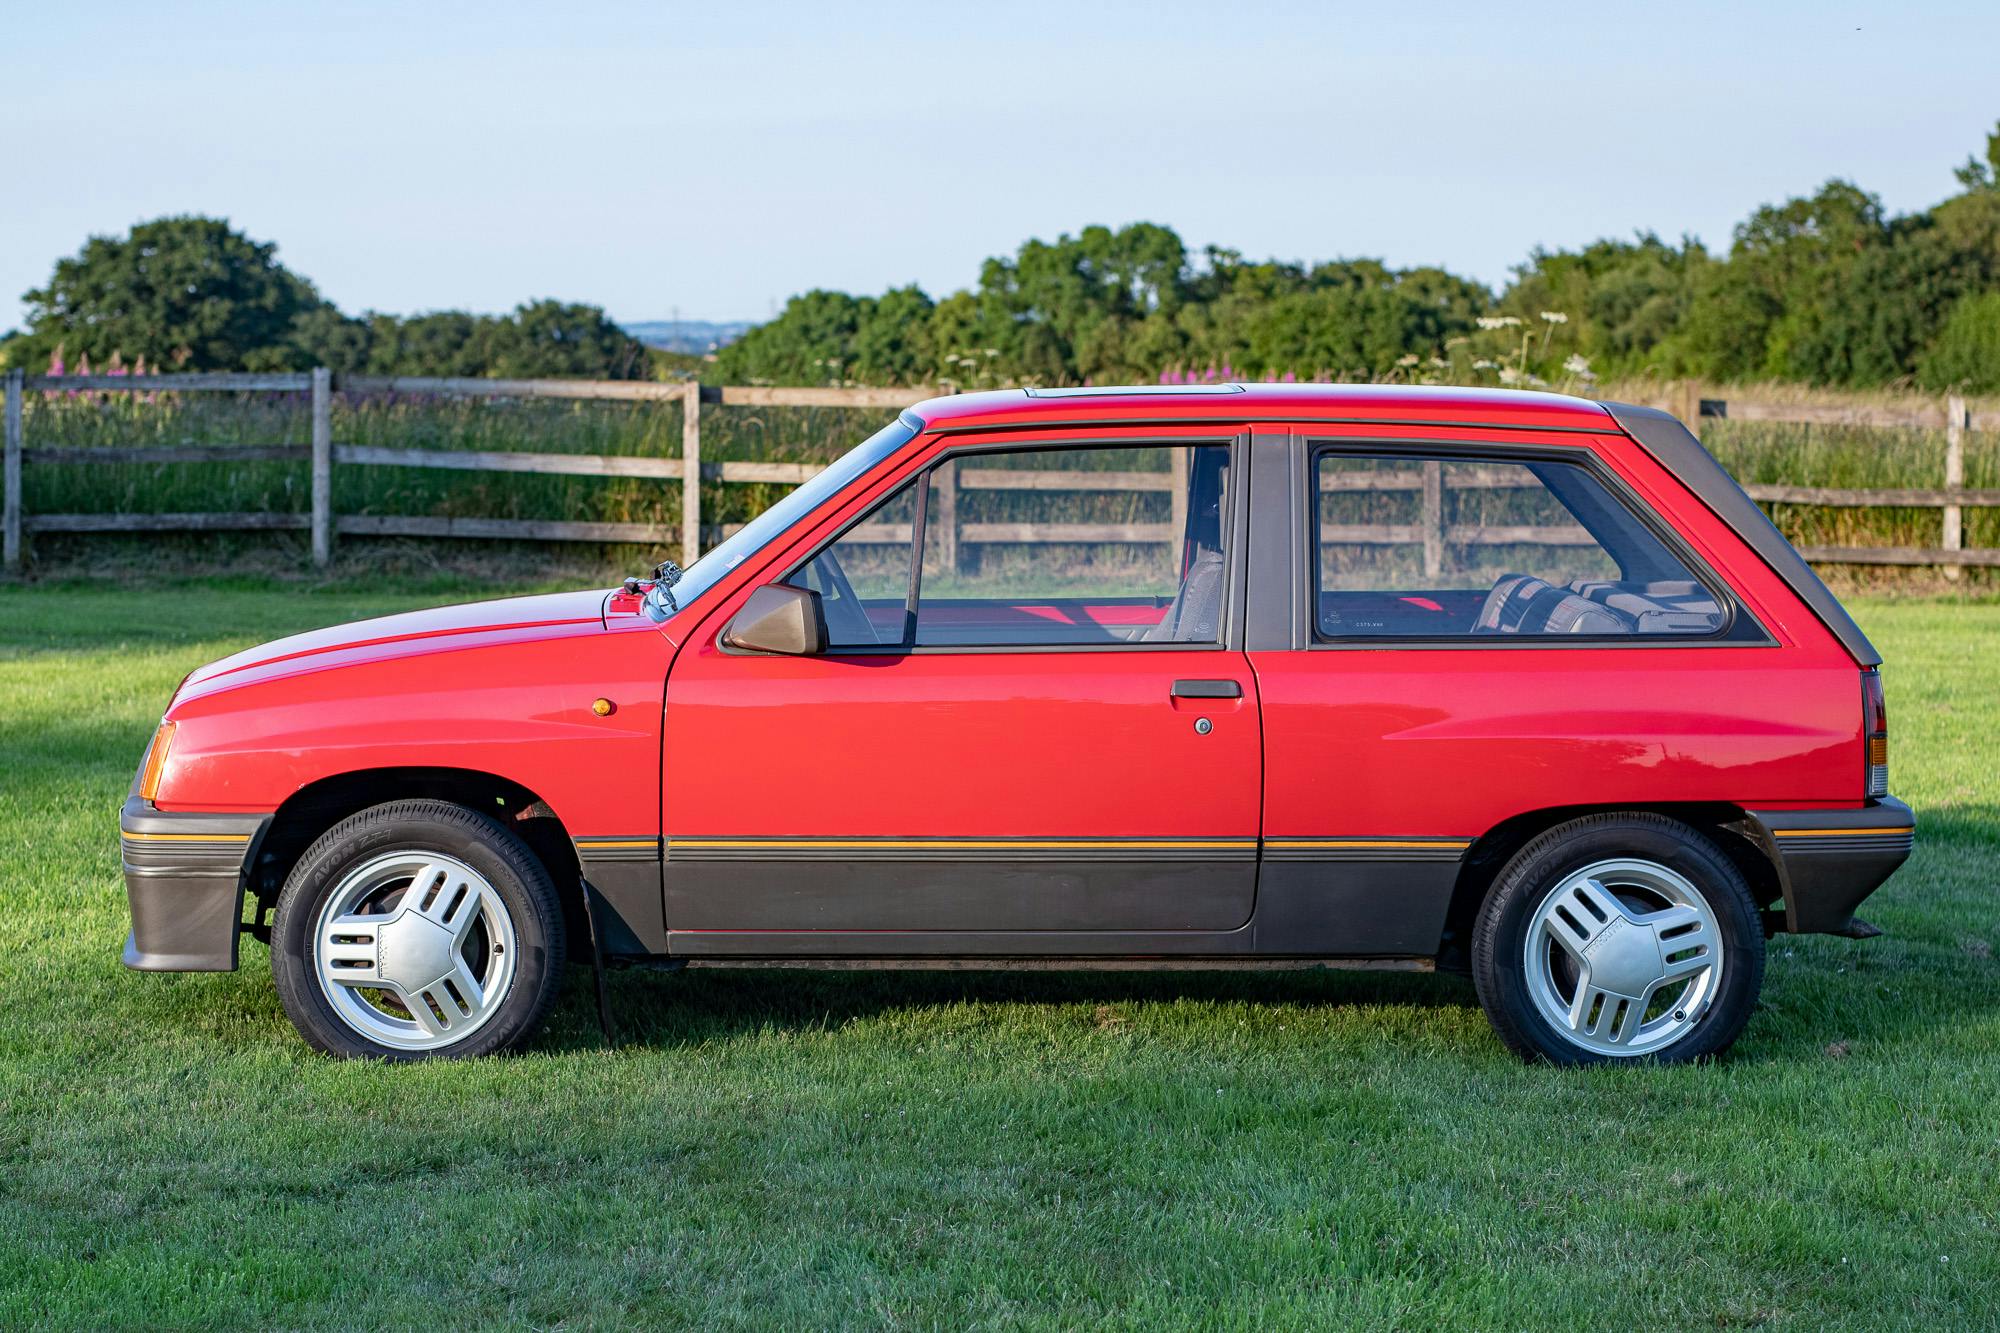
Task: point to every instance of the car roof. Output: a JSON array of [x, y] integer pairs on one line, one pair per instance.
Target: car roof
[[1236, 402]]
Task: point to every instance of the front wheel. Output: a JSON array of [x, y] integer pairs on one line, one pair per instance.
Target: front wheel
[[417, 930], [1619, 937]]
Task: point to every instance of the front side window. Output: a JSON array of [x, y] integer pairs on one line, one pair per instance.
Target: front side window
[[1037, 548], [1411, 546]]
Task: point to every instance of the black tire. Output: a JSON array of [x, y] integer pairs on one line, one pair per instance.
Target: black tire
[[1500, 938], [430, 826]]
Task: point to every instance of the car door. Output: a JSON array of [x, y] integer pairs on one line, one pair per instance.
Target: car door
[[1034, 726]]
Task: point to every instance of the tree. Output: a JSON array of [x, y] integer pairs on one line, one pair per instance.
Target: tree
[[554, 339], [186, 293], [1966, 356], [1977, 175], [1626, 299]]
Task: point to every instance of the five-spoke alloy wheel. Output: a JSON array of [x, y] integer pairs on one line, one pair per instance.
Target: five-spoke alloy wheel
[[417, 929], [1616, 937]]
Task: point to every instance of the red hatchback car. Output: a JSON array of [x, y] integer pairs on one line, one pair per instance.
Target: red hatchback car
[[1502, 682]]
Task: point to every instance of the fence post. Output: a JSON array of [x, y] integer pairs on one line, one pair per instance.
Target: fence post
[[1433, 519], [691, 476], [12, 472], [322, 466], [1691, 405], [1954, 477], [943, 517], [1178, 460]]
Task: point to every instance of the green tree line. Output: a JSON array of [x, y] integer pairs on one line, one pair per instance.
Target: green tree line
[[192, 293], [1828, 289], [1825, 289]]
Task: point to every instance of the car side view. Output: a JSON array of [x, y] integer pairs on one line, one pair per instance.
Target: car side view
[[1222, 675]]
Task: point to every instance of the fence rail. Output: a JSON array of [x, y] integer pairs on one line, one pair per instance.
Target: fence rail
[[693, 473]]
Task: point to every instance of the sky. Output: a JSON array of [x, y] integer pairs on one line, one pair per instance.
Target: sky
[[709, 161]]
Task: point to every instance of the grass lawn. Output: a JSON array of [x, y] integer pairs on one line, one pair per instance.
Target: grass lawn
[[926, 1150]]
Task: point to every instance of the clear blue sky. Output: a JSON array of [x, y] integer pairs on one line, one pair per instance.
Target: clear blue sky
[[717, 158]]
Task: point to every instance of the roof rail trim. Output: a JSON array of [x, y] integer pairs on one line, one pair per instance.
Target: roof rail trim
[[952, 427], [1131, 390]]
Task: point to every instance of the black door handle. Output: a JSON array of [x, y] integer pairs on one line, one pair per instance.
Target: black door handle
[[1207, 689]]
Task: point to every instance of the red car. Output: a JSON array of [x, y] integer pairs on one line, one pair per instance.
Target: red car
[[1223, 675]]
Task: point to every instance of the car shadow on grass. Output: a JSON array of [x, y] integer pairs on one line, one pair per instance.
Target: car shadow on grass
[[652, 1007], [1930, 975]]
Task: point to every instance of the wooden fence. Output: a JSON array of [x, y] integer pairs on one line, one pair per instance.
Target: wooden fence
[[1949, 414], [324, 454]]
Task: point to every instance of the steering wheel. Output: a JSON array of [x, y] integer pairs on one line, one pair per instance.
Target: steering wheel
[[846, 619]]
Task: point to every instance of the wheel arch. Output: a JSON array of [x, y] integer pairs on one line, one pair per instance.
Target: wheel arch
[[316, 807], [1729, 826]]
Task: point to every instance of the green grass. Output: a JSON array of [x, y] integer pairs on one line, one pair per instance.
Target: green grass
[[918, 1150]]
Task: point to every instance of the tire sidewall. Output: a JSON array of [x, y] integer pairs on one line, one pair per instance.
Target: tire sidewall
[[428, 826], [1499, 955]]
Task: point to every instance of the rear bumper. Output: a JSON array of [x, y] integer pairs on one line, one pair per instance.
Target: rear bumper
[[184, 879], [1829, 860]]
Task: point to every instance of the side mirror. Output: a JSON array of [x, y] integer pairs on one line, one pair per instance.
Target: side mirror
[[779, 618]]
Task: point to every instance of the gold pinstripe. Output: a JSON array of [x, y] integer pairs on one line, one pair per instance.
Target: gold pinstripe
[[1340, 844], [1842, 832]]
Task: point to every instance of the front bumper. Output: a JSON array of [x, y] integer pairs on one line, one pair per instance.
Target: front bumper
[[184, 878], [1829, 860]]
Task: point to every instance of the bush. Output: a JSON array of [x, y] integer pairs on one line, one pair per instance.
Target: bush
[[1966, 355]]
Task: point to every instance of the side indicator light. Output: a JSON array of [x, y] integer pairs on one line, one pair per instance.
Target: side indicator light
[[156, 761]]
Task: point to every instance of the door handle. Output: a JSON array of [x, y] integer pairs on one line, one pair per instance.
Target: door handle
[[1207, 689]]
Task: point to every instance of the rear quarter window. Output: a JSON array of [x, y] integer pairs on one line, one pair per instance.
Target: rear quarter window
[[1416, 546]]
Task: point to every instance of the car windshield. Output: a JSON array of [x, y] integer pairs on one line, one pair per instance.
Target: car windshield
[[753, 536]]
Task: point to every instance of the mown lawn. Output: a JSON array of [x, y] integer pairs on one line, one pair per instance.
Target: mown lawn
[[924, 1150]]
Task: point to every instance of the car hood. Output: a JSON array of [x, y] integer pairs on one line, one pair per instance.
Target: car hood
[[413, 632]]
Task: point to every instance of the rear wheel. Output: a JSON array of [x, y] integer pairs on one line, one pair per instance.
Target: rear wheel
[[1619, 937], [415, 930]]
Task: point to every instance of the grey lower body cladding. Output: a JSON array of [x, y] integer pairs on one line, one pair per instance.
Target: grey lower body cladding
[[184, 880], [1058, 897], [1830, 860]]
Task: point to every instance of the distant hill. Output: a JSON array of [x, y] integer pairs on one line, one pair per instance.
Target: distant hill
[[691, 337]]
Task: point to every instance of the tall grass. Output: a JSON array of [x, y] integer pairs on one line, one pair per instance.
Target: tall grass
[[1858, 458]]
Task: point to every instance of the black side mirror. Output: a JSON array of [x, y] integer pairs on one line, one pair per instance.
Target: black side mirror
[[779, 618]]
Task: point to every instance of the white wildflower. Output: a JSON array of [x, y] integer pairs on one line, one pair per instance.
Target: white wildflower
[[1407, 359], [1509, 375], [1554, 317], [1483, 364], [1498, 322]]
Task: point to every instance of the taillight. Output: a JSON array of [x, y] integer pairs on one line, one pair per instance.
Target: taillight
[[1875, 732], [156, 761]]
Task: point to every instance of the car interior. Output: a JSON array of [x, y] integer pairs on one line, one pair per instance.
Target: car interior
[[1116, 605], [1567, 559]]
